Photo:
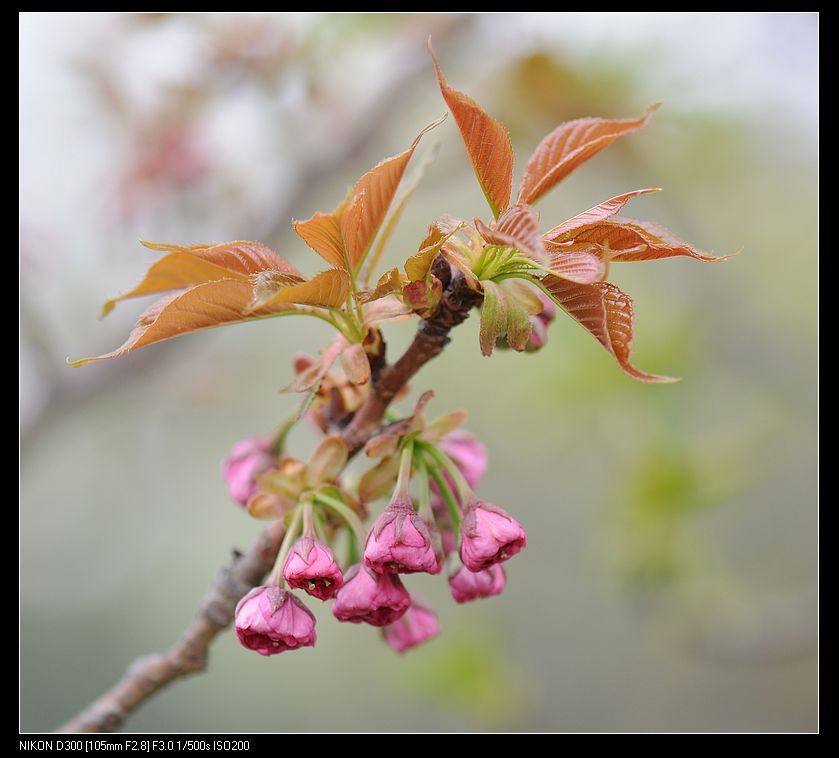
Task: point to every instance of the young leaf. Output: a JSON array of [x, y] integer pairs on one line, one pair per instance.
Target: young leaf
[[416, 421], [371, 197], [506, 312], [322, 233], [378, 481], [188, 266], [663, 244], [486, 140], [517, 227], [463, 248], [329, 289], [389, 282], [266, 283], [524, 295], [312, 374], [241, 256], [518, 326], [270, 505], [419, 264], [570, 145], [493, 316], [443, 425], [396, 213], [423, 296], [356, 364], [207, 305], [599, 213], [607, 314], [576, 266], [626, 240], [382, 445], [307, 403], [522, 303], [327, 461], [388, 308]]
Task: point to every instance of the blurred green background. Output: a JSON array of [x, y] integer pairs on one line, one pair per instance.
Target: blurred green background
[[670, 578]]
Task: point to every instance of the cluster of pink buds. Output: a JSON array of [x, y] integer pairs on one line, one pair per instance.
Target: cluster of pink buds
[[444, 522]]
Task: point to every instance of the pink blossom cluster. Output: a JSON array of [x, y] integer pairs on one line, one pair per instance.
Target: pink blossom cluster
[[270, 619]]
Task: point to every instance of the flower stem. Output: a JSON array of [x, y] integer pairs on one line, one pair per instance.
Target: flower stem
[[353, 548], [403, 479], [425, 510], [347, 323], [345, 512], [278, 445], [320, 526], [308, 525], [464, 490], [285, 546], [448, 498]]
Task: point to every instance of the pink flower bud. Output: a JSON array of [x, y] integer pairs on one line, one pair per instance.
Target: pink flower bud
[[376, 599], [400, 542], [467, 453], [469, 585], [538, 335], [311, 567], [418, 625], [247, 460], [271, 620], [540, 323], [488, 536]]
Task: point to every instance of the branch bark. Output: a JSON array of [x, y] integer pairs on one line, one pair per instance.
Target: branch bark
[[148, 675], [432, 336]]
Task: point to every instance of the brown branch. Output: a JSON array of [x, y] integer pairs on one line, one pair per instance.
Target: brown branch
[[146, 676], [431, 337]]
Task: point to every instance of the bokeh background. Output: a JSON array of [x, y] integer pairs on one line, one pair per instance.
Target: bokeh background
[[670, 579]]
